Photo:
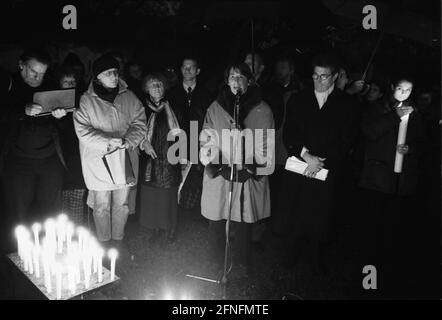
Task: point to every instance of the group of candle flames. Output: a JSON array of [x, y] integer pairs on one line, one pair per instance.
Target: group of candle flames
[[65, 250]]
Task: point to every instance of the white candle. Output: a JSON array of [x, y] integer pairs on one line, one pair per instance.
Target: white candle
[[71, 274], [47, 272], [76, 262], [80, 234], [19, 233], [36, 257], [61, 222], [112, 253], [29, 248], [36, 227], [58, 278], [69, 232], [402, 135], [50, 231], [100, 264], [86, 270]]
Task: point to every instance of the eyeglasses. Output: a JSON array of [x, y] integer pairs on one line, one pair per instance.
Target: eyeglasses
[[323, 77], [110, 73]]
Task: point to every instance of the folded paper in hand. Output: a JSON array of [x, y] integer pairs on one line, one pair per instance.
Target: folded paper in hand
[[298, 166], [119, 167]]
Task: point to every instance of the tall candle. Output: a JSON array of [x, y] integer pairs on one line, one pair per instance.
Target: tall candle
[[112, 253], [36, 227], [71, 274], [402, 135], [50, 231], [86, 270], [36, 258], [100, 264], [76, 262], [58, 278], [19, 234], [29, 248], [47, 272], [61, 223], [69, 232]]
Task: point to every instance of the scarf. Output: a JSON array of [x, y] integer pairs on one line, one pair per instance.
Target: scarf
[[247, 102], [105, 93], [171, 119]]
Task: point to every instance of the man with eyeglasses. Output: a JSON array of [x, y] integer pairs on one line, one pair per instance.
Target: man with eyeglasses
[[110, 119], [320, 129], [31, 160]]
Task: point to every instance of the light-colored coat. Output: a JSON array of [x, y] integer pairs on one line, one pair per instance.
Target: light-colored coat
[[215, 195], [98, 121]]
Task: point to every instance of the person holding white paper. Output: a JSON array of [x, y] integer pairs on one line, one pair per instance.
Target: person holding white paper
[[110, 117], [31, 159], [389, 203], [319, 129]]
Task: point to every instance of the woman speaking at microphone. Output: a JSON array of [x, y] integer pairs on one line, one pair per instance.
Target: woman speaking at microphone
[[250, 196]]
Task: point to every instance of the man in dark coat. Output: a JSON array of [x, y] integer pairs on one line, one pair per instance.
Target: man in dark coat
[[320, 129], [31, 156], [190, 100]]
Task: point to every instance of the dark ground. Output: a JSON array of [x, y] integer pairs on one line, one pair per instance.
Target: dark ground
[[157, 271]]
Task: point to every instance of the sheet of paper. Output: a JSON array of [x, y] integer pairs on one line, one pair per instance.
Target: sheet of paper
[[298, 166]]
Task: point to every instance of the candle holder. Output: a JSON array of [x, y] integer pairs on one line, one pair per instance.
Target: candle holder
[[63, 265]]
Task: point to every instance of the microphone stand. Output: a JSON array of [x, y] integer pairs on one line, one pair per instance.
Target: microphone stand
[[233, 175]]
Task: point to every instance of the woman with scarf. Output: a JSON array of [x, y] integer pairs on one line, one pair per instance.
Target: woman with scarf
[[159, 187], [251, 194]]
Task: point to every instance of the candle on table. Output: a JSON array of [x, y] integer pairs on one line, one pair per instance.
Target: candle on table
[[76, 262], [19, 234], [36, 227], [71, 274], [58, 278], [112, 253], [36, 258], [69, 233], [29, 248], [47, 272], [50, 231], [61, 222], [100, 264]]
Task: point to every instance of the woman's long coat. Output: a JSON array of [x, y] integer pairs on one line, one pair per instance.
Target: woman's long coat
[[256, 192]]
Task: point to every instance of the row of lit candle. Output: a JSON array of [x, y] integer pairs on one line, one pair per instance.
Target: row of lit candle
[[60, 254]]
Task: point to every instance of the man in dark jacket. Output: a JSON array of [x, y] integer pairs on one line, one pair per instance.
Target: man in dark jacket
[[190, 101], [32, 160], [320, 129]]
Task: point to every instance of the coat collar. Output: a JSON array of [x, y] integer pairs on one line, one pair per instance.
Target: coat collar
[[122, 87]]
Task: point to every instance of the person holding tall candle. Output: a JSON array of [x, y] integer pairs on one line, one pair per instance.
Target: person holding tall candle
[[389, 193]]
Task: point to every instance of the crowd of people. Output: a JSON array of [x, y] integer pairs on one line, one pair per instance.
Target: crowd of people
[[349, 126]]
